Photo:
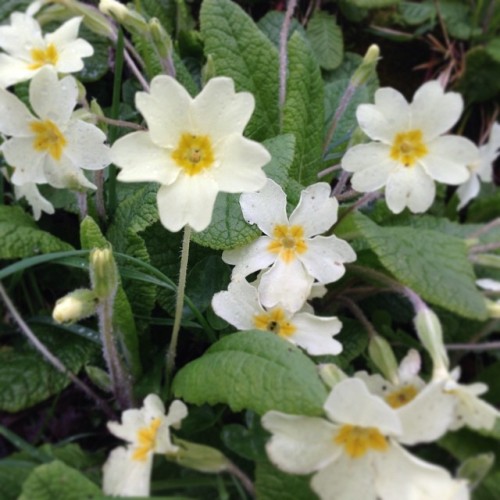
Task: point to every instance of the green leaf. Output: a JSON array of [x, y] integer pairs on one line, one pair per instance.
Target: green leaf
[[416, 13], [21, 237], [97, 65], [163, 10], [123, 318], [433, 264], [326, 40], [253, 370], [57, 481], [26, 378], [303, 113], [271, 483], [372, 4], [272, 23], [12, 477], [228, 228], [241, 51]]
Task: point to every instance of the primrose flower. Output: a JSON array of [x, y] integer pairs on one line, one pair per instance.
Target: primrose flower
[[127, 471], [290, 246], [26, 50], [240, 306], [51, 146], [355, 453], [38, 203], [194, 148], [481, 169], [424, 410], [410, 151]]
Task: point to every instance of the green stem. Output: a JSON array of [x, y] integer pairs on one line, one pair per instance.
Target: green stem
[[179, 305]]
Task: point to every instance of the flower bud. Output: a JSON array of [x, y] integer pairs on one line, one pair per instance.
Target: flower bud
[[430, 334], [331, 374], [130, 19], [199, 457], [382, 355], [208, 70], [493, 308], [160, 38], [75, 306], [103, 273], [367, 68]]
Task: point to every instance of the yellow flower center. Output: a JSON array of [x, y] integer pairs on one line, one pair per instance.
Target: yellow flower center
[[401, 396], [408, 147], [274, 321], [288, 242], [41, 57], [194, 153], [146, 437], [358, 440], [48, 137]]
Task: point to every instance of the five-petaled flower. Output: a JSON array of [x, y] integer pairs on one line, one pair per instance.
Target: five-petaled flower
[[410, 151], [27, 50], [53, 145], [240, 306], [194, 148], [355, 453], [291, 247], [127, 472]]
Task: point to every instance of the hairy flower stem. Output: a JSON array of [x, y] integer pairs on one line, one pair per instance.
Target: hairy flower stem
[[120, 382], [179, 305], [51, 358]]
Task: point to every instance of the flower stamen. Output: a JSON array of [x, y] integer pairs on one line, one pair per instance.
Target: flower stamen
[[274, 321], [48, 137], [357, 441], [288, 242], [194, 153], [408, 147], [146, 437], [41, 57]]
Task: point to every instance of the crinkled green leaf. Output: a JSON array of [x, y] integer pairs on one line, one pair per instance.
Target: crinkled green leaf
[[415, 13], [97, 65], [26, 378], [240, 50], [21, 237], [12, 477], [304, 110], [57, 481], [271, 484], [253, 370], [372, 4], [271, 25], [123, 318], [228, 228], [163, 10], [433, 264], [326, 40]]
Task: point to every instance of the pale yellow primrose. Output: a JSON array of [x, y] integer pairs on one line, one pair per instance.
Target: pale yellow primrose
[[127, 472], [355, 453], [410, 151], [194, 148], [51, 146], [27, 50], [292, 249]]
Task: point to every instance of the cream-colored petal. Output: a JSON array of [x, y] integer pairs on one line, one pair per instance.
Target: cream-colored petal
[[389, 115], [86, 147], [249, 258], [433, 111], [125, 477], [51, 98], [153, 406], [448, 158], [400, 475], [468, 191], [189, 200], [300, 445], [28, 163], [325, 258], [13, 70], [21, 34], [70, 56], [350, 402], [177, 412], [287, 284], [409, 187], [219, 111], [37, 202], [66, 33], [140, 160], [14, 115], [238, 305], [316, 211], [266, 207], [315, 334], [364, 156], [132, 421], [166, 109]]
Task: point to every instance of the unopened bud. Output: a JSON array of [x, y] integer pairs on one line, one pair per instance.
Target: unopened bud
[[199, 457], [130, 19], [430, 333], [382, 355], [160, 38], [331, 374], [493, 308], [103, 273], [367, 67], [208, 70], [75, 306]]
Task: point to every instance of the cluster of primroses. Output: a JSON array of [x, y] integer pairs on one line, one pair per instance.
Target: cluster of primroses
[[195, 148]]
